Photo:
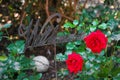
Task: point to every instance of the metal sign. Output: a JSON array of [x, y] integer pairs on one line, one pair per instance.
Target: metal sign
[[37, 35]]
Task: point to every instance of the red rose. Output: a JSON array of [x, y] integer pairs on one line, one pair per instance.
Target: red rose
[[96, 41], [74, 62]]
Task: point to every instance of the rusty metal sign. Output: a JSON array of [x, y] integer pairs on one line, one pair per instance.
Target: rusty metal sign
[[37, 35]]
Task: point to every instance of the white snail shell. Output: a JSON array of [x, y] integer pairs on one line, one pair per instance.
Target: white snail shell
[[41, 63]]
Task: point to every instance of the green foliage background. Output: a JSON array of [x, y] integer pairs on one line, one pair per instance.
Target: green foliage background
[[74, 21]]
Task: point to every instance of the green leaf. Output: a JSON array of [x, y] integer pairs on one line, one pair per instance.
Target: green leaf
[[95, 22], [61, 57], [108, 33], [88, 65], [106, 69], [91, 78], [21, 76], [78, 42], [62, 33], [70, 45], [92, 28], [28, 18], [3, 58], [118, 60], [17, 47], [117, 47], [103, 73], [69, 25], [109, 40], [67, 52], [102, 53], [112, 24], [65, 72], [80, 26], [75, 22], [1, 35], [102, 26], [80, 49], [91, 57], [96, 66], [25, 79], [7, 25], [98, 59], [62, 73], [115, 71], [116, 77], [88, 50], [39, 76]]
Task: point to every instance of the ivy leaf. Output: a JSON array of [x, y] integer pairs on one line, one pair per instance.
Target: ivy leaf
[[61, 57], [79, 26], [62, 33], [91, 57], [67, 52], [92, 28], [25, 79], [102, 26], [38, 77], [70, 45], [88, 65], [21, 76], [118, 60], [117, 47], [78, 42], [96, 66], [102, 53], [112, 23], [69, 25], [95, 22], [75, 22], [116, 77], [82, 24], [17, 47]]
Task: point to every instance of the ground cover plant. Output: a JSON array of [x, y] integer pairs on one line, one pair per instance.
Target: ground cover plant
[[97, 61], [94, 57]]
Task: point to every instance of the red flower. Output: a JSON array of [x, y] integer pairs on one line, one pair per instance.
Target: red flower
[[74, 62], [96, 41]]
